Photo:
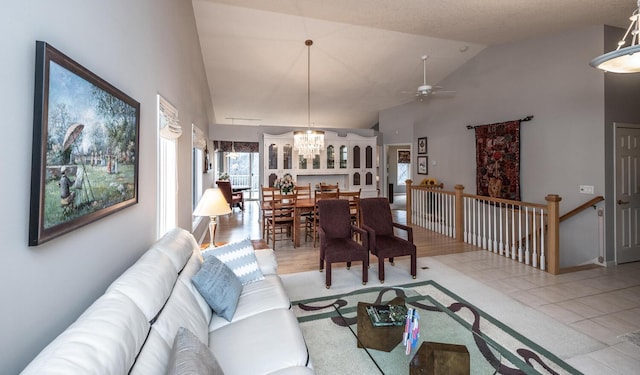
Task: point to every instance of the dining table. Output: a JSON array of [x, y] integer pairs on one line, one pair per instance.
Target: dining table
[[302, 206]]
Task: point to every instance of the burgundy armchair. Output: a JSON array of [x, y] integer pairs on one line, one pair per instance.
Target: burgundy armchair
[[234, 199], [376, 219], [336, 238]]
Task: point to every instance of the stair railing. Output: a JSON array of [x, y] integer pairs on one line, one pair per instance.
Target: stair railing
[[509, 228]]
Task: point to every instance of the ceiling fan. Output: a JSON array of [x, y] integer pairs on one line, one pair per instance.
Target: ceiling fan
[[425, 89]]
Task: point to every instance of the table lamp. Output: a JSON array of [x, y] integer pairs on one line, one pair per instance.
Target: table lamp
[[212, 204]]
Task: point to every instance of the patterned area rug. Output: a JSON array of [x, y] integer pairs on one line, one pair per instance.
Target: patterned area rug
[[493, 346]]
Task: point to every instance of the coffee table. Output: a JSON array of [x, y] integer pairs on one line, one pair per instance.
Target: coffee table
[[445, 319]]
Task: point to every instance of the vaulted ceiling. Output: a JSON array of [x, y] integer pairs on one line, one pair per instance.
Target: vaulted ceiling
[[366, 54]]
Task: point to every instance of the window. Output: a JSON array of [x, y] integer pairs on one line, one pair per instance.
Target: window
[[404, 166], [198, 168], [169, 131]]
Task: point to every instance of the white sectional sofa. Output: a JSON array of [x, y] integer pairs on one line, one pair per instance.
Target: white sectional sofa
[[131, 328]]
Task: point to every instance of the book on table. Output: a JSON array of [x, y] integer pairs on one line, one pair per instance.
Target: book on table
[[387, 315]]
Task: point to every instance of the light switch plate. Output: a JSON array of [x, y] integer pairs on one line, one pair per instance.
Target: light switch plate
[[586, 189]]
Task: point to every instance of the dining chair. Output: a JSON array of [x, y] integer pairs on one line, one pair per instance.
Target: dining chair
[[329, 187], [353, 197], [306, 217], [312, 227], [337, 242], [266, 195], [280, 224], [234, 199], [376, 219]]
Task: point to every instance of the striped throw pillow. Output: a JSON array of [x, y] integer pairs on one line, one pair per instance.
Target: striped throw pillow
[[241, 258]]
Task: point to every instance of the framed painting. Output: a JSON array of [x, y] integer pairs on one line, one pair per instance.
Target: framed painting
[[423, 167], [422, 145], [85, 147], [404, 156]]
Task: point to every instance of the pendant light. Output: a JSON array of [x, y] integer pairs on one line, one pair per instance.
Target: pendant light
[[310, 142], [627, 59]]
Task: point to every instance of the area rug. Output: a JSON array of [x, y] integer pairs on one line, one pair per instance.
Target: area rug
[[493, 346], [557, 338]]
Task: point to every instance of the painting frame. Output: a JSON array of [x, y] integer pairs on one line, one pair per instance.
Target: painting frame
[[404, 156], [422, 145], [85, 147], [423, 164]]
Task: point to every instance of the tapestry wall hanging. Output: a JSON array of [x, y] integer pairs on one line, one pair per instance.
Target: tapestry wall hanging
[[498, 160]]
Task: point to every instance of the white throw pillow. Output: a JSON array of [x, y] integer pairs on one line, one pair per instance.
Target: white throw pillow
[[241, 258]]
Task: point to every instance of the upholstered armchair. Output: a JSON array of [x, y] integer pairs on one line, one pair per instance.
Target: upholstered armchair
[[336, 238], [234, 199], [376, 219]]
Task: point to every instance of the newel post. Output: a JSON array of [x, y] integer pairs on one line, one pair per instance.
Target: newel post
[[553, 233], [409, 213], [459, 213]]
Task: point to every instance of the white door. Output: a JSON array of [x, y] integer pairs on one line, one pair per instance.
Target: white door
[[627, 197]]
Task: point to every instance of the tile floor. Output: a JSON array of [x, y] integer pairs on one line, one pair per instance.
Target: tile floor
[[603, 303]]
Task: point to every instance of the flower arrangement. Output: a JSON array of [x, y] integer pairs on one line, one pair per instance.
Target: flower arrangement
[[224, 177], [285, 184]]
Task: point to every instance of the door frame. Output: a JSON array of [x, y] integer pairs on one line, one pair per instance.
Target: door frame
[[616, 126], [385, 168]]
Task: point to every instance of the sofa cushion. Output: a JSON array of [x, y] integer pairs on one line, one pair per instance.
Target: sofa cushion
[[240, 257], [154, 356], [148, 282], [264, 295], [177, 244], [275, 335], [190, 356], [103, 340], [192, 267], [219, 286]]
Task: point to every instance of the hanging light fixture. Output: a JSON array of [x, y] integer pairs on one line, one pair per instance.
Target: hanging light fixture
[[627, 59], [233, 154], [308, 143]]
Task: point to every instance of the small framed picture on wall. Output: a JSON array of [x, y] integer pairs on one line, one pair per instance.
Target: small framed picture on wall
[[422, 145], [423, 165]]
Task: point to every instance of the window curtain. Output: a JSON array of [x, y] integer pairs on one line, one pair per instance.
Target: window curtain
[[169, 125], [229, 146], [198, 138], [498, 160]]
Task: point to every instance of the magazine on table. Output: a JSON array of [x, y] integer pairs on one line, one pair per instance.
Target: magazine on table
[[387, 315]]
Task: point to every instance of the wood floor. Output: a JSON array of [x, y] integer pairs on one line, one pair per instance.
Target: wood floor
[[246, 224]]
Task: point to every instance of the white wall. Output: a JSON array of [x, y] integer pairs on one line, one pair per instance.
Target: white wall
[[561, 148], [143, 47]]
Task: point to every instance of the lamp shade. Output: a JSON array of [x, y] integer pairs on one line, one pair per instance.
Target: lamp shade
[[212, 203]]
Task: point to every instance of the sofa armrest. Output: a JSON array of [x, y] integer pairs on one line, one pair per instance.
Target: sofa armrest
[[406, 228], [267, 261]]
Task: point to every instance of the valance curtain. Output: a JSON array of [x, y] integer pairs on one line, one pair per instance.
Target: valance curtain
[[198, 139], [169, 126], [229, 146], [498, 160]]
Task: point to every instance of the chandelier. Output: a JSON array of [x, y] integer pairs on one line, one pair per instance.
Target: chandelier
[[627, 59], [308, 143]]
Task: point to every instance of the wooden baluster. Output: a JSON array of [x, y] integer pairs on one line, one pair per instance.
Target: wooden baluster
[[527, 254], [484, 224], [501, 227], [409, 206], [520, 234]]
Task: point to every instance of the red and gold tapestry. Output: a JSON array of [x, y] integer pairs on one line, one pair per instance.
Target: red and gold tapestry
[[498, 160]]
